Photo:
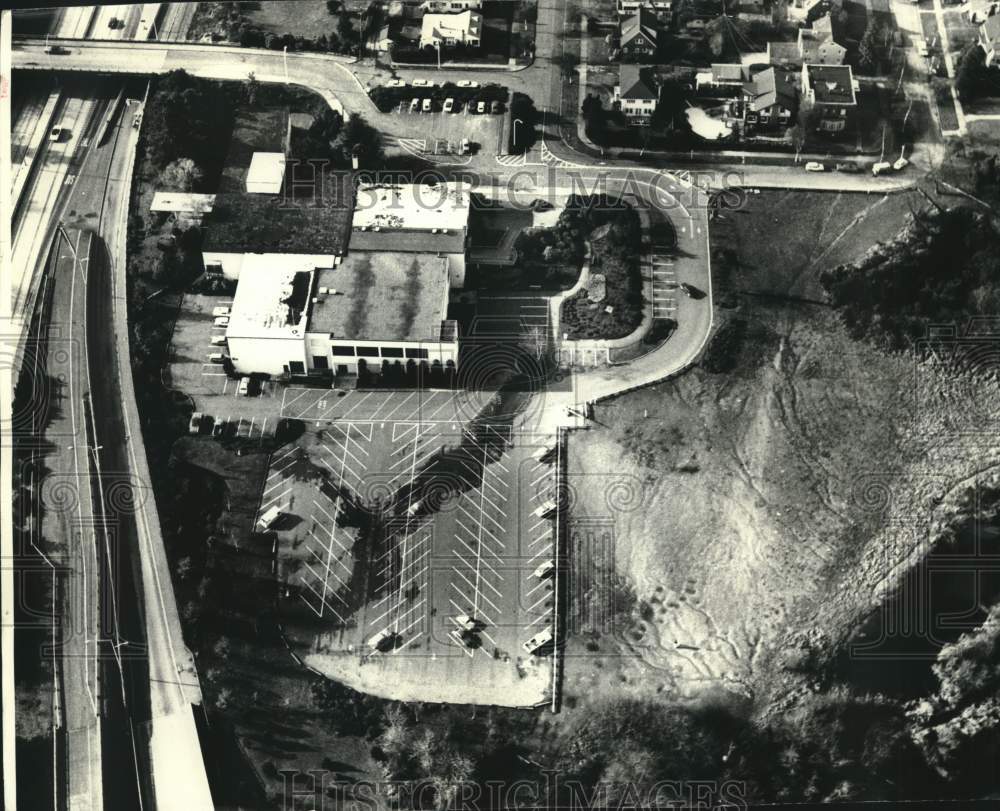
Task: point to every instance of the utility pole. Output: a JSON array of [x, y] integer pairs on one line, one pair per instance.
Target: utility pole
[[284, 57]]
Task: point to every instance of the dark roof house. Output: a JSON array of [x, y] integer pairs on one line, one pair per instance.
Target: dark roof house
[[640, 32]]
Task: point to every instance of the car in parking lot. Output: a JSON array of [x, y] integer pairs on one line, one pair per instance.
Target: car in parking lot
[[815, 166], [194, 426], [395, 83], [221, 310], [848, 168], [216, 357], [464, 147], [540, 639], [243, 390], [880, 167], [496, 107], [545, 509], [427, 105], [423, 83], [414, 104], [544, 570], [218, 340], [900, 164], [221, 321], [467, 83], [481, 107], [449, 105]]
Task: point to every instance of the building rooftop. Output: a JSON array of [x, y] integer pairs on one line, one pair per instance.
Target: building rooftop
[[460, 26], [642, 22], [266, 173], [272, 297], [773, 86], [388, 207], [831, 84], [408, 241], [382, 297], [989, 31], [725, 72], [635, 84]]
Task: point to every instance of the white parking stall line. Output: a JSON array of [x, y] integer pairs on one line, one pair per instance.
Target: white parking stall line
[[472, 534], [445, 401], [538, 602], [294, 400], [495, 491], [356, 405], [324, 511], [539, 618], [265, 507], [537, 524], [318, 613], [319, 577], [407, 399], [539, 585]]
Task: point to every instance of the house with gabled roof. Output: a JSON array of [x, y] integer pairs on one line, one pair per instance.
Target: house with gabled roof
[[768, 101], [636, 95], [640, 36], [989, 38]]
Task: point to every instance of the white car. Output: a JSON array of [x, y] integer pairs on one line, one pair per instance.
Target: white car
[[55, 134], [815, 166], [481, 107], [222, 310], [218, 340], [467, 83], [426, 106], [449, 105], [423, 83], [221, 321], [414, 105], [900, 164], [216, 357], [880, 167], [464, 147], [545, 509], [395, 83]]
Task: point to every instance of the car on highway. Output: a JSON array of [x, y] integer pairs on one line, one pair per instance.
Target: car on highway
[[449, 105], [55, 135], [481, 107], [539, 640], [427, 105], [467, 83], [815, 166], [221, 321], [395, 83], [423, 83], [848, 168], [137, 120]]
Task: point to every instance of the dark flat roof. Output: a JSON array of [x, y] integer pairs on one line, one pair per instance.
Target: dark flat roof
[[402, 241]]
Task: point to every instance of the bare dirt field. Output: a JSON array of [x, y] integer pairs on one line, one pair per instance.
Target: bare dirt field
[[781, 497]]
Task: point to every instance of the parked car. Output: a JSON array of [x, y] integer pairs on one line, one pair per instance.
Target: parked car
[[427, 105], [218, 340], [545, 509], [449, 105], [900, 164], [243, 390], [395, 83], [848, 168], [56, 50], [538, 204], [496, 107], [220, 310], [194, 426], [221, 321], [880, 167], [55, 134], [423, 83], [543, 637], [216, 357], [414, 104], [464, 147], [544, 570], [467, 83], [481, 107], [815, 166]]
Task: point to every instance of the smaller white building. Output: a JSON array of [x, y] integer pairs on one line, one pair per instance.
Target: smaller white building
[[266, 173], [451, 5], [464, 28]]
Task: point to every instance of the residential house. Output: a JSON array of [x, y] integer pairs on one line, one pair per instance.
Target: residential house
[[640, 36], [636, 95], [989, 38], [769, 100], [814, 46], [800, 12], [463, 28], [723, 79], [662, 8], [752, 10], [831, 91]]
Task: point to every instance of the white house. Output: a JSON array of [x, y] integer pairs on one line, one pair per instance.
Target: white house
[[636, 95], [441, 6], [463, 28]]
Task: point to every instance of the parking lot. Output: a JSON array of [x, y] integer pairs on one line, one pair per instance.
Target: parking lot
[[660, 270], [444, 571], [441, 133]]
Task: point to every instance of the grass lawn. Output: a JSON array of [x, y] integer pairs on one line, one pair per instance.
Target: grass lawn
[[302, 18]]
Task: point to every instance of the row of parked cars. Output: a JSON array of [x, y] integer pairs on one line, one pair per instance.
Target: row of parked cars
[[452, 106], [852, 168]]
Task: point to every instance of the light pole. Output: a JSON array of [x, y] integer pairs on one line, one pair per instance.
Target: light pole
[[284, 58], [437, 47], [516, 122]]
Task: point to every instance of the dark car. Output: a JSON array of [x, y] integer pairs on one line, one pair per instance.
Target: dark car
[[848, 168]]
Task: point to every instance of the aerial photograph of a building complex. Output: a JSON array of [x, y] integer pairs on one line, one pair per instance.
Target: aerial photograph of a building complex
[[500, 404]]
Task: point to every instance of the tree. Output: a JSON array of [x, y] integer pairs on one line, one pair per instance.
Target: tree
[[182, 175], [595, 118], [358, 139], [250, 88], [345, 30], [871, 46], [971, 73], [333, 6]]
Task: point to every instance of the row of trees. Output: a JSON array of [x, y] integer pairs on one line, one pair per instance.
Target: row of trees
[[331, 137]]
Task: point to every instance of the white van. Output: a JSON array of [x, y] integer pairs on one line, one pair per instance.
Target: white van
[[545, 509], [218, 340], [244, 388], [217, 311], [265, 522], [221, 321], [543, 637]]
